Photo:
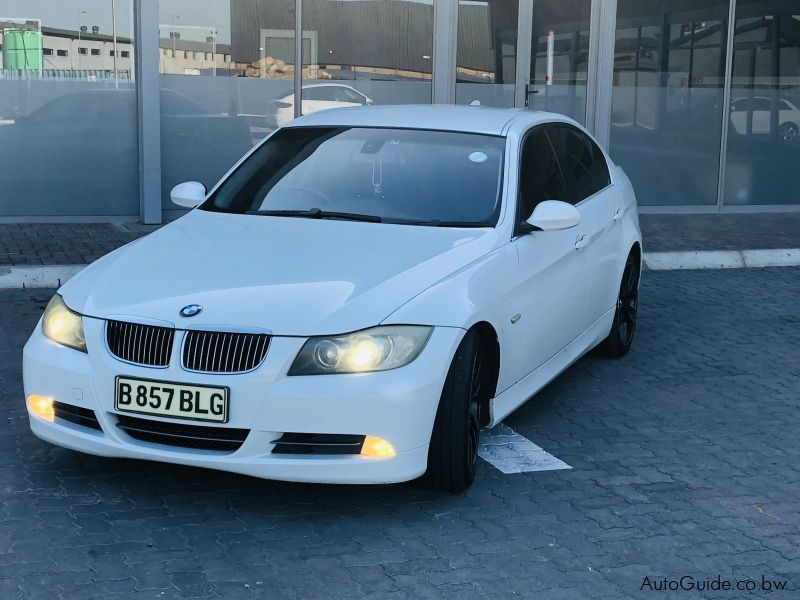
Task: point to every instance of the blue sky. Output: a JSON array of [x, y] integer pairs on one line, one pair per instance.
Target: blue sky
[[68, 14]]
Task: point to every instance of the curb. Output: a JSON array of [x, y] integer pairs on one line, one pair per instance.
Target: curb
[[721, 259], [53, 276]]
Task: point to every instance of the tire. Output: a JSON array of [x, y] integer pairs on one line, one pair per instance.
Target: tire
[[620, 338], [453, 453], [787, 132]]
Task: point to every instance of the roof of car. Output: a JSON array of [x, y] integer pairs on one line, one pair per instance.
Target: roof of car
[[447, 117]]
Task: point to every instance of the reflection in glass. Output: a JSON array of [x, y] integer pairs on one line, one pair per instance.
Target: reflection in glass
[[360, 52], [666, 123], [559, 61], [68, 141], [486, 60], [224, 67], [763, 134]]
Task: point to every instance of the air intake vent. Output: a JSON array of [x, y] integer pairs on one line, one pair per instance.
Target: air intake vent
[[222, 352], [318, 443], [141, 344], [77, 415], [221, 439]]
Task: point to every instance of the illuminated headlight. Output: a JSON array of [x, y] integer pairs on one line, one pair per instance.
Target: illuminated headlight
[[62, 325], [376, 349]]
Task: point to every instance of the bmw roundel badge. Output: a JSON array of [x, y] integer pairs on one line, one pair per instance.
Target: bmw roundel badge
[[191, 311]]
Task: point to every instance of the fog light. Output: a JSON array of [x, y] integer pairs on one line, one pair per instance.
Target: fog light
[[42, 407], [376, 447]]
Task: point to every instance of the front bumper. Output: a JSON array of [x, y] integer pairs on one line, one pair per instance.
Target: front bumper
[[398, 406]]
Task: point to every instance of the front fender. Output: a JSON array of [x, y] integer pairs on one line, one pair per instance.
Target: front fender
[[475, 294]]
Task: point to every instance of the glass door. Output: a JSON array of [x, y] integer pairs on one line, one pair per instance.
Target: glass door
[[556, 65]]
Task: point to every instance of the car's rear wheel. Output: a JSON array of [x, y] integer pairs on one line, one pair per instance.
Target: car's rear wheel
[[620, 337], [453, 453]]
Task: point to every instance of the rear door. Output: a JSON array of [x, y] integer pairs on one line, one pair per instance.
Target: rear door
[[598, 238]]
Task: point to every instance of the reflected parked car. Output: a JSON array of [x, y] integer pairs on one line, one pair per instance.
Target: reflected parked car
[[80, 147], [316, 97], [762, 109]]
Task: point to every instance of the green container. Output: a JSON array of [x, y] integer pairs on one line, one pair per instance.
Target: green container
[[22, 50]]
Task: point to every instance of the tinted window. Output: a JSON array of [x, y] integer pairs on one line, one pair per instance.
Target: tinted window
[[344, 94], [318, 93], [582, 162], [762, 104], [539, 176], [399, 175]]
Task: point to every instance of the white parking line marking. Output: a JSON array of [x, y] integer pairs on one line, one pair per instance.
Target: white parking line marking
[[509, 452]]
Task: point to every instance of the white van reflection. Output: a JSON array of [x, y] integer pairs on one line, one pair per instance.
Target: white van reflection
[[316, 97], [762, 109]]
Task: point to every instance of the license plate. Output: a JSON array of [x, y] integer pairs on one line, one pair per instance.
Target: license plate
[[165, 399]]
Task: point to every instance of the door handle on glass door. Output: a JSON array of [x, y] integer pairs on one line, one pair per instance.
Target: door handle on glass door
[[582, 242]]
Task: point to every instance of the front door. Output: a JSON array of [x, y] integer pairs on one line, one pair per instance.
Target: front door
[[546, 301]]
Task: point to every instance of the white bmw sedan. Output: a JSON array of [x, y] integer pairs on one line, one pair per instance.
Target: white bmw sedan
[[352, 303]]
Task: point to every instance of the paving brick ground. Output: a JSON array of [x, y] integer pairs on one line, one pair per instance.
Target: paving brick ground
[[81, 243], [24, 244], [686, 461], [669, 233]]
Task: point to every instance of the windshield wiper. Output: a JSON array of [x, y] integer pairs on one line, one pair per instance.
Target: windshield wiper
[[442, 223], [316, 213]]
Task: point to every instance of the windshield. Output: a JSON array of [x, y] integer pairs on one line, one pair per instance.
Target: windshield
[[383, 175]]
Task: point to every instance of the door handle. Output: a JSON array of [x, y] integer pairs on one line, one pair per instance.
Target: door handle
[[619, 214], [582, 242]]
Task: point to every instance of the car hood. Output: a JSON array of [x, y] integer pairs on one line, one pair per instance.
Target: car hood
[[289, 276]]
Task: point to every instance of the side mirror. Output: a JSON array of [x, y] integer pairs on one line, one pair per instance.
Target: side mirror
[[552, 215], [189, 194]]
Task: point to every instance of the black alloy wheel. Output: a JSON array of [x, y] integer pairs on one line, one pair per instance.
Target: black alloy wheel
[[620, 338]]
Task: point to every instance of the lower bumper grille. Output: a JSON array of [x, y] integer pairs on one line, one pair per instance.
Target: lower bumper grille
[[318, 443], [77, 415], [221, 439]]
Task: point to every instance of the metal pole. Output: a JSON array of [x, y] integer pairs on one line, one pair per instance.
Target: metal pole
[[114, 34], [146, 48], [726, 104], [445, 50], [214, 51], [298, 58]]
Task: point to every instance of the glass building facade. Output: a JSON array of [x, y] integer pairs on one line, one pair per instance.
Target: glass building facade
[[105, 105]]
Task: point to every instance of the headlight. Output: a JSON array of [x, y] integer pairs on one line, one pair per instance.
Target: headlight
[[62, 325], [376, 349]]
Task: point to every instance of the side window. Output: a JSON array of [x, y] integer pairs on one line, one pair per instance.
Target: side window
[[762, 104], [583, 163], [539, 175], [317, 93], [347, 95]]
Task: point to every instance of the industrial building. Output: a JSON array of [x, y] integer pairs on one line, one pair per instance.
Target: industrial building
[[698, 100]]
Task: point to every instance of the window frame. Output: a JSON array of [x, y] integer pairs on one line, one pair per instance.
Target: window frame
[[598, 151], [519, 229]]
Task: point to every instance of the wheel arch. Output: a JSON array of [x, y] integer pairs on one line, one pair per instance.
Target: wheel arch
[[490, 348], [636, 250]]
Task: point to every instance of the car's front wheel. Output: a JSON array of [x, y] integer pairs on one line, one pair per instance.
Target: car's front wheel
[[620, 337], [453, 453]]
